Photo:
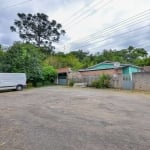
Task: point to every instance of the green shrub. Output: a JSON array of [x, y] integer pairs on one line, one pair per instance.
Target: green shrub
[[102, 82], [49, 73], [71, 83]]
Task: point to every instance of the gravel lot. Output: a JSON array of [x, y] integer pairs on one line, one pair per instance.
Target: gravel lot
[[62, 118]]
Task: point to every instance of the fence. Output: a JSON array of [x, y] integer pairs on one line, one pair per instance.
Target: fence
[[138, 81], [84, 79]]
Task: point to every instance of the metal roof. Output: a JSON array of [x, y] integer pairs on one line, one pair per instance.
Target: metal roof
[[92, 68]]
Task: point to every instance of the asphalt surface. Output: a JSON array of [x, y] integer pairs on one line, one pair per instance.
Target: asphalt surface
[[62, 118]]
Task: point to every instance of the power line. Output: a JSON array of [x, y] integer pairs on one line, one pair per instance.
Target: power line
[[113, 36], [119, 35], [16, 4], [123, 27], [10, 2], [94, 39], [105, 34], [98, 38], [145, 44], [86, 15], [116, 25], [134, 20], [80, 11], [119, 42]]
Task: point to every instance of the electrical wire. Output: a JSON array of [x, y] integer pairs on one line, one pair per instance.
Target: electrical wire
[[110, 28], [113, 36], [111, 32], [139, 19], [132, 37], [79, 12], [81, 18], [15, 4]]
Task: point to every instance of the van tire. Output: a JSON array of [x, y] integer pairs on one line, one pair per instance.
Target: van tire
[[19, 87]]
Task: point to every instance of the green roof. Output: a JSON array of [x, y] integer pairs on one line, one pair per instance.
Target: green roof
[[107, 65]]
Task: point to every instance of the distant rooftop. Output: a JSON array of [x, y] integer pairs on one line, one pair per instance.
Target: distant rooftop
[[107, 65], [64, 70]]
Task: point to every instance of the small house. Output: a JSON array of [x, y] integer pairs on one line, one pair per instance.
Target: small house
[[110, 68], [62, 75], [121, 73]]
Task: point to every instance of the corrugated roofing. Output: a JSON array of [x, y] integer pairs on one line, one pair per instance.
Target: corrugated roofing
[[107, 65], [64, 70]]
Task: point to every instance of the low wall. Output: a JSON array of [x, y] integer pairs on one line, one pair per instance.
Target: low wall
[[116, 82], [141, 81], [84, 79]]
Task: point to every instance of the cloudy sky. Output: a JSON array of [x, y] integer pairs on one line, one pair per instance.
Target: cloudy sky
[[91, 25]]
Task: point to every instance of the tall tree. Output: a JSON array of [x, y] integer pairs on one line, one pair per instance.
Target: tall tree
[[25, 58], [37, 29]]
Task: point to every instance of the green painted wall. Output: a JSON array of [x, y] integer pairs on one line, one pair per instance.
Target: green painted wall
[[133, 69], [125, 70], [130, 70]]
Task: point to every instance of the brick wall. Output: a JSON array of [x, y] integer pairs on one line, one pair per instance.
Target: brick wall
[[141, 81], [100, 72], [77, 77], [90, 76]]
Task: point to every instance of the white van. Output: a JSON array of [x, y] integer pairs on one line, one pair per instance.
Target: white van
[[12, 81]]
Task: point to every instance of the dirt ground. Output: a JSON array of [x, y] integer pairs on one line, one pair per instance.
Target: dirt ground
[[62, 118]]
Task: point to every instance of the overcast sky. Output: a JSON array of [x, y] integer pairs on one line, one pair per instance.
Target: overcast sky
[[91, 25]]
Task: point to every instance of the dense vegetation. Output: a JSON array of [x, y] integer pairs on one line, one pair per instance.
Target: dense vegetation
[[102, 82], [36, 56], [40, 66], [26, 58], [81, 59]]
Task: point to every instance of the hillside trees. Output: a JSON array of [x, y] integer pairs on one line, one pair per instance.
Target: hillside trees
[[130, 55], [63, 60], [80, 59]]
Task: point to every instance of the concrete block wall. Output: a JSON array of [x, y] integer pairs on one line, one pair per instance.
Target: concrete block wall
[[116, 82], [141, 81], [90, 76]]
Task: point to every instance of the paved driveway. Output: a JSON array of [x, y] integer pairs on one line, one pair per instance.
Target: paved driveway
[[61, 118]]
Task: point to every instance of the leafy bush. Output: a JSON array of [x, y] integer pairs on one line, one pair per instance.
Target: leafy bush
[[102, 82], [71, 83], [49, 73]]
